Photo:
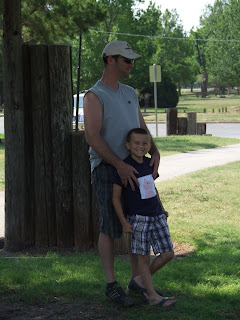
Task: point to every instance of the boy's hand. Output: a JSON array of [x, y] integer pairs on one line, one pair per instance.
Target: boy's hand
[[127, 227], [155, 160], [166, 213]]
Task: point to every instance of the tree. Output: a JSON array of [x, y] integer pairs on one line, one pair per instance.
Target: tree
[[221, 21]]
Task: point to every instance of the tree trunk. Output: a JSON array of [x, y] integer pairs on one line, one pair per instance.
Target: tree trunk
[[229, 89], [179, 89], [204, 84], [14, 126]]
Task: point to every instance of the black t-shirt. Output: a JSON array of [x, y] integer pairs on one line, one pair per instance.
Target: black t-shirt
[[144, 200]]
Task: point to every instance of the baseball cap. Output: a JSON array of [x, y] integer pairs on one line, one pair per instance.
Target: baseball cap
[[122, 48]]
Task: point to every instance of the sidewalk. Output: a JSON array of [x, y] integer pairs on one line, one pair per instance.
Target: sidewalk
[[182, 163], [176, 165]]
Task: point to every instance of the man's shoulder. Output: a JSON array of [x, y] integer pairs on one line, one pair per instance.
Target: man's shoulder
[[127, 87]]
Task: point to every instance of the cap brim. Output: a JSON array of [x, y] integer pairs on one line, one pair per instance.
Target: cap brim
[[133, 56]]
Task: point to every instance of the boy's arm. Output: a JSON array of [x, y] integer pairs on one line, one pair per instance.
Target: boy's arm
[[117, 191], [164, 211]]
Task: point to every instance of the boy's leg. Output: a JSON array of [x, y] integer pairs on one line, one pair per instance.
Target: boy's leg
[[152, 296], [160, 261]]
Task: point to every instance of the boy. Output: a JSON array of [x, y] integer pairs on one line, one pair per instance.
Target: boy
[[146, 219]]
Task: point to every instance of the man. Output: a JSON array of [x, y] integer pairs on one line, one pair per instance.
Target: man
[[111, 110]]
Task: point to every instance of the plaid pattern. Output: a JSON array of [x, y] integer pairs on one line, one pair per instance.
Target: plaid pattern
[[102, 183], [150, 231]]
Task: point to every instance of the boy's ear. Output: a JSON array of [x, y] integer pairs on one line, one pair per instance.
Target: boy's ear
[[127, 145]]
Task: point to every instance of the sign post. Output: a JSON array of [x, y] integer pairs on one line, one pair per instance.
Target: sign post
[[155, 76]]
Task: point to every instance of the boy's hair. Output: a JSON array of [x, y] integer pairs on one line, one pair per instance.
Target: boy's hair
[[138, 131]]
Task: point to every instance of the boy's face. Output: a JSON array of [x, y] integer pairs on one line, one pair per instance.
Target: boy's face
[[139, 145]]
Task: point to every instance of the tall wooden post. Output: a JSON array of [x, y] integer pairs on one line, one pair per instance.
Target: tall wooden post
[[82, 194], [171, 121], [14, 126], [192, 123]]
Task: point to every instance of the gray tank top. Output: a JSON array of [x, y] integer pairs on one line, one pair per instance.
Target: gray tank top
[[120, 114]]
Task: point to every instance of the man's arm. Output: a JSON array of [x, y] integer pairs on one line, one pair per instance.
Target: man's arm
[[155, 155], [93, 124]]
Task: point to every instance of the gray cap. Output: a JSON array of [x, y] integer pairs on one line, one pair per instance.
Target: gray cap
[[122, 48]]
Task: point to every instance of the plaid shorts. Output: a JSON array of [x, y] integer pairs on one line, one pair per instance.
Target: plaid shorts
[[150, 231], [102, 183]]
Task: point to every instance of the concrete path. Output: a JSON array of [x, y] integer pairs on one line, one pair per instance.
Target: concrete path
[[182, 163], [176, 165]]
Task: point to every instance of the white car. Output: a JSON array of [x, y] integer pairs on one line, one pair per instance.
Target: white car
[[80, 110]]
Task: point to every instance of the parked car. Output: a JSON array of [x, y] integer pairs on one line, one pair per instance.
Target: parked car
[[80, 110]]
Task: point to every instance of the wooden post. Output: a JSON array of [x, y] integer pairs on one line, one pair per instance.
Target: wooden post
[[82, 195], [171, 121], [191, 123], [30, 218], [14, 126], [48, 126], [182, 126], [44, 208], [61, 98], [201, 128]]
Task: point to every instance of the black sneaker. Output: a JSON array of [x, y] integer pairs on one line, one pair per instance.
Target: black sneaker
[[116, 294], [133, 287]]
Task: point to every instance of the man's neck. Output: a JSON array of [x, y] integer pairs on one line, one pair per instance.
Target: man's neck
[[110, 80]]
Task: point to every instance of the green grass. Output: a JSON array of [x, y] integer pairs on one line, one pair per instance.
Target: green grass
[[203, 212], [190, 103], [176, 144]]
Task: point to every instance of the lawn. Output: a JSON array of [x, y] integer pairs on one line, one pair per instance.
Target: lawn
[[203, 214], [225, 109], [204, 218]]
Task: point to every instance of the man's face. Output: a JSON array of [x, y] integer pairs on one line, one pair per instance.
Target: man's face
[[139, 145], [123, 66]]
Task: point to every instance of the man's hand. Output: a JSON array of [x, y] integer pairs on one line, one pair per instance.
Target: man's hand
[[127, 174], [155, 160]]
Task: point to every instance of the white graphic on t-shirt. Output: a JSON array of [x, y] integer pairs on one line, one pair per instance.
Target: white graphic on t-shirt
[[146, 186]]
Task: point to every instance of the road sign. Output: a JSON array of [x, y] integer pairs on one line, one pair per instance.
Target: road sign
[[155, 73]]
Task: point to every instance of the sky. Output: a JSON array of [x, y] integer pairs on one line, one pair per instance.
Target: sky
[[189, 11]]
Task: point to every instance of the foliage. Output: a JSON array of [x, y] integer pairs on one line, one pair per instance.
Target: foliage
[[158, 36], [221, 21], [57, 21]]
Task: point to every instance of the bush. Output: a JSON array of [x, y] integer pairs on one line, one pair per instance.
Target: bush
[[167, 95]]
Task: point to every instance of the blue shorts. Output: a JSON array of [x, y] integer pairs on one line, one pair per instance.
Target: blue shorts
[[102, 183], [150, 231]]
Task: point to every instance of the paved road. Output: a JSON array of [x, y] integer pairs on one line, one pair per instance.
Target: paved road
[[176, 165], [230, 130]]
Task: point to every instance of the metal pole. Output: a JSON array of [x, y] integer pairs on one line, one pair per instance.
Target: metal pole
[[155, 95], [78, 77]]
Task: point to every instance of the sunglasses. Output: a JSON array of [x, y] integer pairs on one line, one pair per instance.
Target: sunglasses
[[128, 61]]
